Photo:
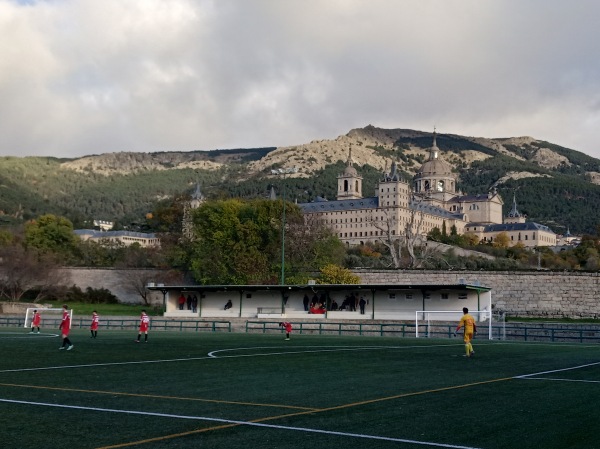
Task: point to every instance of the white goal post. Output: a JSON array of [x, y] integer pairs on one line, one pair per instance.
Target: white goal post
[[45, 312], [440, 322]]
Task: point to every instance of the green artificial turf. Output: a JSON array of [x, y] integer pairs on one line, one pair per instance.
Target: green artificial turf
[[228, 390]]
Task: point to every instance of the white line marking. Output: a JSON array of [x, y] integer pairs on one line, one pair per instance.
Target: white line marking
[[26, 335], [93, 365], [242, 423], [209, 356], [561, 380], [213, 354], [556, 370]]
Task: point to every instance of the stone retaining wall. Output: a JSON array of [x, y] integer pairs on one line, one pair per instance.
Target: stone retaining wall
[[524, 294]]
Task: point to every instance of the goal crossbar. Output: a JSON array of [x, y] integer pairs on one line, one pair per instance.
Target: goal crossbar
[[425, 317]]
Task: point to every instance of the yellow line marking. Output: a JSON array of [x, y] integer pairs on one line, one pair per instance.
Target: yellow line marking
[[156, 396], [308, 412]]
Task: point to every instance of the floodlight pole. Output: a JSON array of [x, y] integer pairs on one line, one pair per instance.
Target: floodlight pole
[[283, 172]]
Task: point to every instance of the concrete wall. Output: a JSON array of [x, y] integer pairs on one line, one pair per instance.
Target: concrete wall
[[114, 281]]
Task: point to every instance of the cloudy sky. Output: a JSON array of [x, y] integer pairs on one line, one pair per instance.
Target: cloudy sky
[[82, 77]]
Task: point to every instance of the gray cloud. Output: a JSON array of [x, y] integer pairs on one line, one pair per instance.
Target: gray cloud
[[82, 77]]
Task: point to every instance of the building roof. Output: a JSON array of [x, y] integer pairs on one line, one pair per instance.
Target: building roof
[[470, 198], [108, 234], [323, 205], [527, 226], [316, 287]]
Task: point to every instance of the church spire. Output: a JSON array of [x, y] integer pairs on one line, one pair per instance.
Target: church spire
[[514, 213], [349, 161], [433, 153]]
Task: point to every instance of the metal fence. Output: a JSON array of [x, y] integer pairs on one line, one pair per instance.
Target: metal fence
[[546, 332], [128, 324]]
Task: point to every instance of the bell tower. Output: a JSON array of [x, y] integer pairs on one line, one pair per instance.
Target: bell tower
[[349, 182]]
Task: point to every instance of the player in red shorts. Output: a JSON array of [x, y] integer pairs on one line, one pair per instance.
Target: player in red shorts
[[36, 321], [144, 325], [288, 329], [65, 327], [94, 325]]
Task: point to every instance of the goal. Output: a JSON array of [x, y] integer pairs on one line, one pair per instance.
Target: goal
[[49, 315], [442, 323]]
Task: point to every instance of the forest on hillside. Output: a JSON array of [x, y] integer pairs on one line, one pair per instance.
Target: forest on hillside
[[561, 198]]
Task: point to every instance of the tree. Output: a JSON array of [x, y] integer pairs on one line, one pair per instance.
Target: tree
[[51, 234], [235, 242], [334, 274], [6, 238], [410, 236], [502, 240], [310, 245], [137, 280], [239, 242], [24, 270]]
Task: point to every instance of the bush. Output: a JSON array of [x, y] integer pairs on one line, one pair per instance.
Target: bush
[[90, 296]]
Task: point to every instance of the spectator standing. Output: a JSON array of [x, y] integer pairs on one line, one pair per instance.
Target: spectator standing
[[305, 301], [181, 301], [194, 303], [362, 304]]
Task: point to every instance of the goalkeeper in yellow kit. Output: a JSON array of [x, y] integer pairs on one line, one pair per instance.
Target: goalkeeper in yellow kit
[[470, 329]]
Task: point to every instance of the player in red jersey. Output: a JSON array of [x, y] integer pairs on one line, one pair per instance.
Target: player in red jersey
[[65, 327], [144, 325], [288, 329], [36, 321], [94, 325]]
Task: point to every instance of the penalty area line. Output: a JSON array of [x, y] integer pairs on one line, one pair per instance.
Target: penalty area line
[[525, 376], [555, 379], [241, 423]]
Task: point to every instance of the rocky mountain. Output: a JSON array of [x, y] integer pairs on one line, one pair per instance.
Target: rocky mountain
[[554, 185]]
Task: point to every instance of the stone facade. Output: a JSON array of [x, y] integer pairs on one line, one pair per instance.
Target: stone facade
[[429, 201], [522, 294]]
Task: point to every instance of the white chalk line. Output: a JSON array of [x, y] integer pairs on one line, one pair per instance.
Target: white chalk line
[[25, 335], [208, 357], [242, 423], [557, 370], [214, 354], [535, 376], [552, 379]]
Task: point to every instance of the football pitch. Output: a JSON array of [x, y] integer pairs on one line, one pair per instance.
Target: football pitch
[[234, 390]]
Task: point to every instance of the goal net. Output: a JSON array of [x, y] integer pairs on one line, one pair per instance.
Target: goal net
[[50, 317], [442, 323]]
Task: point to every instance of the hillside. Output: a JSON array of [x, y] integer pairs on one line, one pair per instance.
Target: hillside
[[553, 185]]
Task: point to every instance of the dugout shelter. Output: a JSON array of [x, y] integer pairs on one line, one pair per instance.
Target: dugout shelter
[[381, 301]]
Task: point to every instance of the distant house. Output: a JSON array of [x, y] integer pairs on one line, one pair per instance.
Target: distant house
[[124, 237], [104, 225]]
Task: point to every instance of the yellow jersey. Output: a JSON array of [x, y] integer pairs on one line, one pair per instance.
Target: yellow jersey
[[468, 322]]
